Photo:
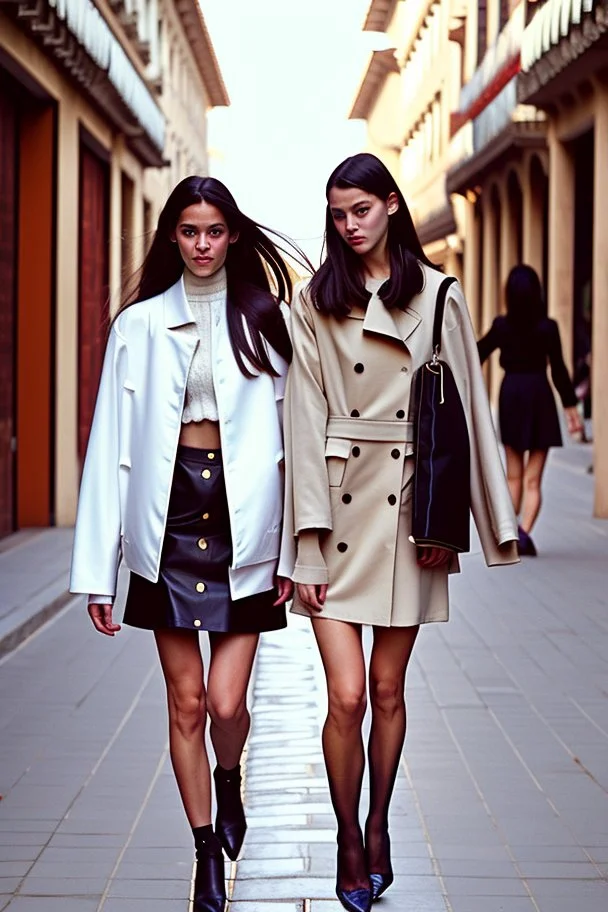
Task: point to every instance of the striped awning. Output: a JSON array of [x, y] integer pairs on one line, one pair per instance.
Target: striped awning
[[552, 22]]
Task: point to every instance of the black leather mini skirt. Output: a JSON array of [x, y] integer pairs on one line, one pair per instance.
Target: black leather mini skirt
[[193, 591]]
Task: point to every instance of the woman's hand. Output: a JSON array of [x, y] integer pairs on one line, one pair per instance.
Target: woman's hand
[[573, 420], [285, 588], [101, 615], [433, 558], [313, 596]]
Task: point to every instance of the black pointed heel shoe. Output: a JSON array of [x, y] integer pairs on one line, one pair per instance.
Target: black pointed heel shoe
[[209, 885], [230, 822], [380, 883], [359, 900]]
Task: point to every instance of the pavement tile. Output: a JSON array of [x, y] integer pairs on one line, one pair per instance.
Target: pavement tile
[[56, 904], [64, 886], [284, 888], [161, 888], [257, 906], [144, 905], [491, 904], [484, 886]]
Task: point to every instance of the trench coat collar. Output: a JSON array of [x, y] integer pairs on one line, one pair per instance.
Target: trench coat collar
[[398, 324], [177, 309]]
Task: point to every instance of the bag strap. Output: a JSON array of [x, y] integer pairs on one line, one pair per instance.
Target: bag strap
[[439, 309]]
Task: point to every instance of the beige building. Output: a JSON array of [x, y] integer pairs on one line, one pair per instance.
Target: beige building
[[103, 107], [501, 133], [406, 96], [564, 73]]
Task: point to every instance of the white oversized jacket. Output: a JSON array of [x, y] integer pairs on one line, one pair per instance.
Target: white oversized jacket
[[126, 481]]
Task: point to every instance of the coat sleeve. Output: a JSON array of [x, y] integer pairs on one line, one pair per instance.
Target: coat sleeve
[[306, 412], [489, 343], [96, 550], [491, 503], [559, 371]]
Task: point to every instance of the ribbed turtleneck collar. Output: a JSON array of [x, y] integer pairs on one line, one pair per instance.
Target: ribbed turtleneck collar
[[205, 285]]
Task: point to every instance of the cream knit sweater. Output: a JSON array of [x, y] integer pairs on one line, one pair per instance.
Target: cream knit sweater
[[205, 296]]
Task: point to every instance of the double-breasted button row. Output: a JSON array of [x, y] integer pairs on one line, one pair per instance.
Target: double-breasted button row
[[355, 413]]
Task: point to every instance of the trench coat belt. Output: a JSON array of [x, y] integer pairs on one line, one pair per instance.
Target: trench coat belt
[[366, 429]]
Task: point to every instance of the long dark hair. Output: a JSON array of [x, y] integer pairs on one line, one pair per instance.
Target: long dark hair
[[339, 283], [526, 305], [251, 261]]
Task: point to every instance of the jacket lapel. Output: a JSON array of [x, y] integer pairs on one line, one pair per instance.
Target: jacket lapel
[[177, 309], [397, 324]]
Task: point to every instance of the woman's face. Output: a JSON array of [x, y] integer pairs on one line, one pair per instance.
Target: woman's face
[[361, 219], [203, 238]]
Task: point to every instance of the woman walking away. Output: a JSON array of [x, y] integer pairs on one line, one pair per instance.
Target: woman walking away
[[361, 327], [183, 480], [527, 415]]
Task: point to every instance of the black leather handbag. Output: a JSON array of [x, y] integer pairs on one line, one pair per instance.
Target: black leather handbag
[[442, 480]]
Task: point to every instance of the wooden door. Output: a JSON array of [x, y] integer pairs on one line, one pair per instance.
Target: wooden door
[[93, 305], [8, 252]]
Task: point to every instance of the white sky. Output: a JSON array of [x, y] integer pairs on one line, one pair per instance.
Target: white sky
[[292, 68]]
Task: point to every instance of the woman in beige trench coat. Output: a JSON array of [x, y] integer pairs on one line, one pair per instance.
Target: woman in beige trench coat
[[360, 328]]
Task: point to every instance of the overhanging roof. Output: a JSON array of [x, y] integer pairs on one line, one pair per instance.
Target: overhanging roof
[[194, 25], [379, 15], [381, 63], [516, 136]]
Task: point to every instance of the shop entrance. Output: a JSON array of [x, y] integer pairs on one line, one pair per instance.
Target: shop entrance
[[583, 153]]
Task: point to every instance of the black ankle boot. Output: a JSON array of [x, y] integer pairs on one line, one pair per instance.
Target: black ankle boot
[[209, 886], [230, 823]]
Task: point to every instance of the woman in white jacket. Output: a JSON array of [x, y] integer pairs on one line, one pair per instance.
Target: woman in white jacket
[[183, 481]]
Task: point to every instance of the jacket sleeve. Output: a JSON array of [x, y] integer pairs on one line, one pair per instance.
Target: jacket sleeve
[[96, 550], [306, 412], [559, 371], [488, 343], [281, 367], [491, 503]]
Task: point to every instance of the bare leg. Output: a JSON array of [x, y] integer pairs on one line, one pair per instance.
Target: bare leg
[[533, 476], [182, 666], [342, 655], [515, 474], [390, 656], [232, 658]]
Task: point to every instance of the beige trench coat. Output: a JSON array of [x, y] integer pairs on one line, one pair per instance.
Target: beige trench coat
[[347, 441]]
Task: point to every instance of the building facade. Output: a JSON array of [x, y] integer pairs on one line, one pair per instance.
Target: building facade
[[501, 132], [102, 109]]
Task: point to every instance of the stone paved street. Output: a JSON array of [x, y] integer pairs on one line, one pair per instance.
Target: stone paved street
[[501, 801]]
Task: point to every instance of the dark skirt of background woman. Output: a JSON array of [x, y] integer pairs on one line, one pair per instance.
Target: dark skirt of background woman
[[193, 590], [527, 413]]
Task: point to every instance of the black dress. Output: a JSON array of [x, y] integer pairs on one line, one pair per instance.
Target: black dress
[[527, 414]]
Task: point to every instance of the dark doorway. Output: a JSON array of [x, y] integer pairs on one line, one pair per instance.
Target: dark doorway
[[93, 282], [583, 152]]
